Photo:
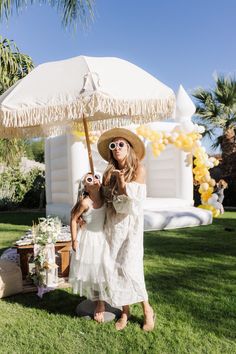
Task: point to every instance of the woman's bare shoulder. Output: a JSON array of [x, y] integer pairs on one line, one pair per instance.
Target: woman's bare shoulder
[[85, 203], [140, 174], [82, 207]]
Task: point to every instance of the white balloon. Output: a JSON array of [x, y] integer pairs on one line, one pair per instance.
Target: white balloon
[[197, 143], [187, 127], [211, 201], [175, 135], [201, 129], [209, 164]]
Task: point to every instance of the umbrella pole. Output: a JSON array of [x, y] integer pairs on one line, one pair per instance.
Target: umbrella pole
[[88, 145]]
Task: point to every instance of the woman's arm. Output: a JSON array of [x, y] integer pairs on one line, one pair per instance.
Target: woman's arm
[[119, 174], [139, 178], [140, 175], [74, 223]]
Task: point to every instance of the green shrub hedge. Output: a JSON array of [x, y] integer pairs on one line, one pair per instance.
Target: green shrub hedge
[[18, 189]]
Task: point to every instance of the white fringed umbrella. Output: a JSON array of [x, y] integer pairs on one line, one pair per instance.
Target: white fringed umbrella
[[105, 92]]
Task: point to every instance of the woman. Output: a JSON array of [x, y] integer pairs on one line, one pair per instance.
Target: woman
[[125, 190]]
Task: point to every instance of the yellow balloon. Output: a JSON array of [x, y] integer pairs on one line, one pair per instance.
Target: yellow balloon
[[178, 143], [216, 213], [162, 146], [212, 182], [204, 187], [155, 145]]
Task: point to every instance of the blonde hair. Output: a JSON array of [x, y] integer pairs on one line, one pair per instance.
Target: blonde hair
[[130, 170]]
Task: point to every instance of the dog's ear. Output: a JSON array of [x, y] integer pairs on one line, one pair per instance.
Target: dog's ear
[[223, 183]]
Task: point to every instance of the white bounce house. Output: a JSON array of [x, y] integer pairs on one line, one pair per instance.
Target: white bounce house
[[169, 201]]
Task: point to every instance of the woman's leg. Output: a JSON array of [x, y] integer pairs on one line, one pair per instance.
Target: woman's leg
[[122, 322], [149, 317]]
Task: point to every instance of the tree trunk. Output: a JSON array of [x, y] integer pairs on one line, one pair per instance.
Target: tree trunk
[[228, 147]]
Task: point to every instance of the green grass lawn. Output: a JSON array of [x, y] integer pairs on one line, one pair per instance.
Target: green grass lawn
[[191, 280]]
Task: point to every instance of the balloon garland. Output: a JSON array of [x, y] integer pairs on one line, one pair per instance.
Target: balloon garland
[[93, 136], [187, 138]]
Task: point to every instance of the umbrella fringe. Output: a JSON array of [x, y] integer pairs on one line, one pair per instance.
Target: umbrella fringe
[[102, 113], [37, 131]]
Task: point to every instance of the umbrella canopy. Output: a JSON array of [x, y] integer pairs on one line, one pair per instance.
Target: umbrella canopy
[[106, 91]]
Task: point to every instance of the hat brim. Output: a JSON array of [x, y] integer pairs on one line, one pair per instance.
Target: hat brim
[[132, 138]]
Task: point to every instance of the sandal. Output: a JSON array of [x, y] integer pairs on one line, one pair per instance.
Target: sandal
[[149, 325]]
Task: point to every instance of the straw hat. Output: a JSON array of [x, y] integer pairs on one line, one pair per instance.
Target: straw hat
[[132, 138]]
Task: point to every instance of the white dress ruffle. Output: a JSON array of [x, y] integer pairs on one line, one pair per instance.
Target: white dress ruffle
[[90, 267], [124, 231]]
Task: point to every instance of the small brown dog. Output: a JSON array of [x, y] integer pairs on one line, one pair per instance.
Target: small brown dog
[[221, 185]]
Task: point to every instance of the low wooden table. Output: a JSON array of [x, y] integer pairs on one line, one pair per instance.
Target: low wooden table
[[63, 248]]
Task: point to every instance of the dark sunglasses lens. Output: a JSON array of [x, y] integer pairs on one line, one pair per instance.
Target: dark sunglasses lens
[[97, 177], [89, 179], [121, 144], [112, 146]]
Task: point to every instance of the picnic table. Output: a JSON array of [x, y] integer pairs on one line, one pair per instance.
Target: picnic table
[[63, 261]]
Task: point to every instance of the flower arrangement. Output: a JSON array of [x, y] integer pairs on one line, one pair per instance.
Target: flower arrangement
[[46, 231], [45, 235]]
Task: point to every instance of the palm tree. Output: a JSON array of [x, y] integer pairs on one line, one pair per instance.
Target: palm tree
[[13, 66], [72, 11], [216, 108]]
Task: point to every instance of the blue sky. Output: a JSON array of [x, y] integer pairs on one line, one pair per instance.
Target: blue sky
[[180, 42]]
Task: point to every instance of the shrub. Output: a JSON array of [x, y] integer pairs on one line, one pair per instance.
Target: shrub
[[35, 196], [15, 186]]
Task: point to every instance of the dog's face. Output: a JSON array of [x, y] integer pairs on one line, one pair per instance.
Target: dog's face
[[222, 184]]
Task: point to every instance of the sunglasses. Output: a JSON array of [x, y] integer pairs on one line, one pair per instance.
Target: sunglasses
[[91, 179], [119, 144]]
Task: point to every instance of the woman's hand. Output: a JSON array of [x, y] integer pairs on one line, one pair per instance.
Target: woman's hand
[[119, 174], [81, 221], [120, 177], [74, 245]]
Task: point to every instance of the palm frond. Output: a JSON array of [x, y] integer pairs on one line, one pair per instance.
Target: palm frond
[[217, 106], [7, 7], [13, 64], [217, 143], [225, 91], [72, 11]]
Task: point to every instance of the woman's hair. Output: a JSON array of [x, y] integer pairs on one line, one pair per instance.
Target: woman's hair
[[130, 170], [81, 195]]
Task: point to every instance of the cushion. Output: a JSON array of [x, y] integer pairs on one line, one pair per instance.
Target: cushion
[[174, 218], [10, 278]]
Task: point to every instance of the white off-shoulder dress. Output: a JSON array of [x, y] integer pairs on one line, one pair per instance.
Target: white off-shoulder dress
[[124, 232], [89, 266]]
